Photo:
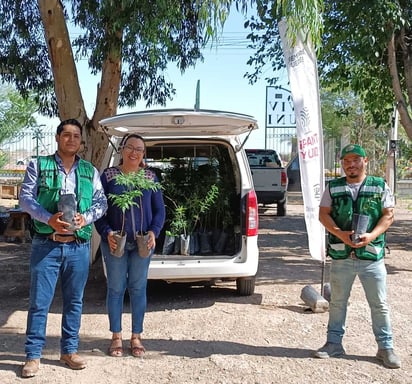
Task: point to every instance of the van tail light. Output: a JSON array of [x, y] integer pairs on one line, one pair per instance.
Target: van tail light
[[252, 214], [284, 179]]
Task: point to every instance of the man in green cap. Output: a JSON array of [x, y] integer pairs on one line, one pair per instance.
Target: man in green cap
[[348, 201]]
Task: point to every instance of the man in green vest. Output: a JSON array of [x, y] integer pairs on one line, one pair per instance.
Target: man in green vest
[[52, 187], [346, 203]]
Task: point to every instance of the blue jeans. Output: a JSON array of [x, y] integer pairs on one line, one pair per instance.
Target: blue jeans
[[50, 260], [129, 271], [372, 275]]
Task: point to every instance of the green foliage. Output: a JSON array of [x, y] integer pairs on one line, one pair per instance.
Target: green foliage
[[190, 191], [189, 213], [199, 205], [134, 184], [146, 35], [404, 157], [24, 59], [340, 112], [178, 222], [353, 55], [16, 112], [302, 17], [4, 158], [343, 114]]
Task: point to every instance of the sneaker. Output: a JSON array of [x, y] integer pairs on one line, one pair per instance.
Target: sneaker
[[329, 350], [30, 368], [389, 359], [73, 360]]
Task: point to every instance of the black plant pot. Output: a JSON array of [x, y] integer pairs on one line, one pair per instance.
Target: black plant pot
[[68, 205], [194, 246], [205, 243], [168, 245]]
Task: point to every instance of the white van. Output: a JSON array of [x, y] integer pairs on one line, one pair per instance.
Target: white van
[[208, 191]]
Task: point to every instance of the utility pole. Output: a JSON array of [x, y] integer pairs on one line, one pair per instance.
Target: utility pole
[[38, 135], [197, 99], [392, 152]]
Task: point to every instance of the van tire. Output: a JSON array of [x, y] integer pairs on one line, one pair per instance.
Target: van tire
[[245, 286]]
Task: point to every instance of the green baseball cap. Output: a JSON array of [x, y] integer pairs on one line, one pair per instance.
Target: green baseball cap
[[354, 149]]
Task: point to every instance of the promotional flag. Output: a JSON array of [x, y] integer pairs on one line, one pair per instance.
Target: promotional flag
[[300, 59]]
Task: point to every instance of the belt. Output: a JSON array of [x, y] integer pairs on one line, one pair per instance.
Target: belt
[[62, 238], [353, 256]]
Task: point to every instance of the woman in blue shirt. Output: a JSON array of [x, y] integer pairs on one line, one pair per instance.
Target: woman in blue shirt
[[130, 270]]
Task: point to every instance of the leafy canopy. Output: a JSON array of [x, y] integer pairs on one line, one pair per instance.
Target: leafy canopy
[[146, 35], [16, 112], [366, 48]]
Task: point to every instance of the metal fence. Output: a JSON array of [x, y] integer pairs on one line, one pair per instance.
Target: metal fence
[[284, 141], [25, 145]]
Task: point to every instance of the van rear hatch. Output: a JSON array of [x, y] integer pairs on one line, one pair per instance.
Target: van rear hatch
[[211, 226], [179, 122]]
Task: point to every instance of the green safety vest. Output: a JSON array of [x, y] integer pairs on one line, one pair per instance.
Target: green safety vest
[[368, 202], [48, 192]]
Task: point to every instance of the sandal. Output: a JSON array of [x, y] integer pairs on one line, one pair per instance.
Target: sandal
[[115, 350], [136, 347]]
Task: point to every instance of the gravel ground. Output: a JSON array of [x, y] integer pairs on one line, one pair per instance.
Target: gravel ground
[[211, 335]]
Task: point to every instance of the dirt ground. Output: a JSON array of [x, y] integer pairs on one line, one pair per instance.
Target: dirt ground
[[211, 335]]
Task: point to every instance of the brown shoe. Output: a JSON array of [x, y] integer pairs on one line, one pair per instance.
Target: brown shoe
[[30, 368], [116, 347], [73, 360], [136, 347]]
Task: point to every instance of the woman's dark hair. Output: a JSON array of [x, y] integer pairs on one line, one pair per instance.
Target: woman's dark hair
[[69, 122], [130, 136]]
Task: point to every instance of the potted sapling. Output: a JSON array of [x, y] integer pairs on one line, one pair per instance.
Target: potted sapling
[[134, 184]]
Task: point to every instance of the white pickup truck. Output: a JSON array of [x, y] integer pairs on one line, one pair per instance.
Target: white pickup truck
[[269, 178]]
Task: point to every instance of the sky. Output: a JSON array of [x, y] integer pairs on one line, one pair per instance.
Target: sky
[[222, 83]]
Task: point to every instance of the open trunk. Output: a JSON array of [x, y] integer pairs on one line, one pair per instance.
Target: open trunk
[[201, 188], [208, 192]]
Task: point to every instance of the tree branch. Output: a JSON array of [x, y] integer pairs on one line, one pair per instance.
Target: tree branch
[[400, 100]]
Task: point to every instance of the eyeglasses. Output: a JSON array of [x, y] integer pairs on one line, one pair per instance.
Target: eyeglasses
[[130, 148]]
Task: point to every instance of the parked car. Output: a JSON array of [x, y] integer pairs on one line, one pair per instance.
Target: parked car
[[208, 190], [293, 171], [269, 178]]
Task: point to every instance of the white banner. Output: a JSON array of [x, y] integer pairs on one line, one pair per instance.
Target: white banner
[[301, 64]]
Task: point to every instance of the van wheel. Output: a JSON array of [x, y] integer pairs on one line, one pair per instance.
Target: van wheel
[[245, 286]]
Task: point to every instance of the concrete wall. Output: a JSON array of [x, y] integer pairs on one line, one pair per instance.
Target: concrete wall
[[404, 188]]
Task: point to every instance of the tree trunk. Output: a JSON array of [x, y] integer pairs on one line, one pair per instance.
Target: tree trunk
[[107, 95], [402, 104], [66, 82]]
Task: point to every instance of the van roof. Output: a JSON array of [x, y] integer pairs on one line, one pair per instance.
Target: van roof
[[178, 122], [260, 151]]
